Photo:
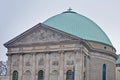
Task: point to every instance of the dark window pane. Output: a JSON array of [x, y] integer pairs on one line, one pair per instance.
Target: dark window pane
[[40, 75], [15, 75], [104, 72], [69, 75]]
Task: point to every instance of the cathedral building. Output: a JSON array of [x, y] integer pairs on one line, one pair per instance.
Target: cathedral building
[[67, 46]]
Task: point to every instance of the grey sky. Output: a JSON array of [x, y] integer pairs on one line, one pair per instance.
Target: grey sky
[[16, 16]]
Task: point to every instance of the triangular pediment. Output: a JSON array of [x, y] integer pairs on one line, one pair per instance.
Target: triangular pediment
[[40, 34]]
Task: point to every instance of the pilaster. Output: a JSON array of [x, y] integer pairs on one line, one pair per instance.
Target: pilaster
[[81, 64], [21, 67], [77, 65], [47, 63], [9, 66], [33, 69], [61, 66]]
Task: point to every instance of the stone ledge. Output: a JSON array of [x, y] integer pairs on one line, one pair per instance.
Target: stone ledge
[[4, 78]]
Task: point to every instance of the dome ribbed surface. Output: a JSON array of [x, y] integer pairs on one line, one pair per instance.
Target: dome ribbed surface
[[78, 25]]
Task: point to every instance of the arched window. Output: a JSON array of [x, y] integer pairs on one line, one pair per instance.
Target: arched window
[[15, 75], [40, 75], [69, 75], [104, 72]]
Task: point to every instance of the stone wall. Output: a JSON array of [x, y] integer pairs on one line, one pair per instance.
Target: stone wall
[[50, 63], [117, 73], [56, 60], [97, 61], [4, 78]]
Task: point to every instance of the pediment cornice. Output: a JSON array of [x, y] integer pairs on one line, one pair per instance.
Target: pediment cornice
[[40, 34]]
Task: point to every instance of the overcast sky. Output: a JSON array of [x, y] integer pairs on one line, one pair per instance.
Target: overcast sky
[[16, 16]]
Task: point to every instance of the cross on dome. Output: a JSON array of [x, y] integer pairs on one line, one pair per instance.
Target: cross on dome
[[69, 9]]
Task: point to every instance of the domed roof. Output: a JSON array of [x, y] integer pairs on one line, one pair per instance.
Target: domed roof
[[78, 25]]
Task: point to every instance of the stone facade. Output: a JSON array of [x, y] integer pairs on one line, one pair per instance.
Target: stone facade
[[117, 73], [4, 78], [56, 53]]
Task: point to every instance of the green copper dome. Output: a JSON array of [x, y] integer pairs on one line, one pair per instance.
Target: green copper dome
[[78, 25], [118, 60]]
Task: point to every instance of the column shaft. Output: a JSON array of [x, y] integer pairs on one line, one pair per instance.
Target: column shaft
[[61, 66], [9, 66], [33, 69], [47, 67], [77, 65], [81, 65], [20, 67]]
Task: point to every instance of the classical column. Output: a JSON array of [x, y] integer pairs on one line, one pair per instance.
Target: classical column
[[61, 66], [9, 66], [20, 67], [36, 66], [47, 63], [33, 66], [77, 65]]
